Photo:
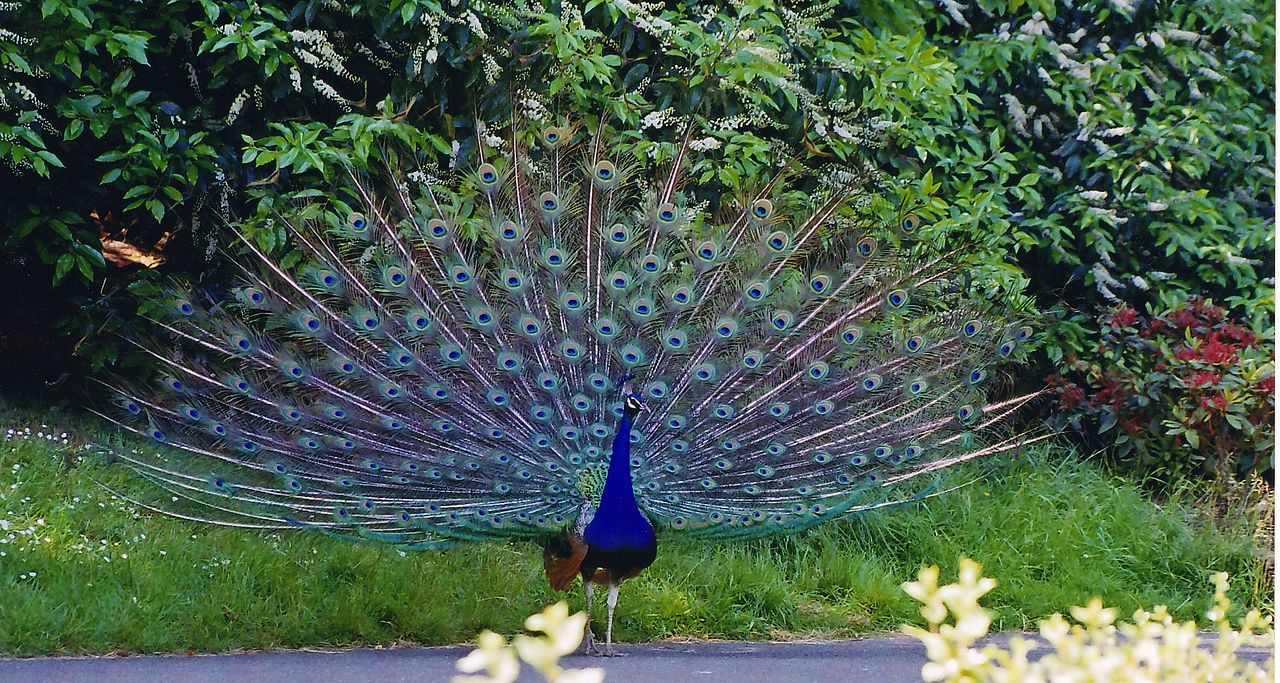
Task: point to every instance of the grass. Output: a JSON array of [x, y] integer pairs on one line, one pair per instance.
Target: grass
[[84, 572]]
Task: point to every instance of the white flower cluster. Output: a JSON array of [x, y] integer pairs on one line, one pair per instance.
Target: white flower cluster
[[532, 107], [645, 17], [658, 119], [492, 71], [489, 138], [704, 144], [237, 104], [330, 92], [315, 49]]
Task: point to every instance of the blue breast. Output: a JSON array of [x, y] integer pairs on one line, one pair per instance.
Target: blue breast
[[617, 527]]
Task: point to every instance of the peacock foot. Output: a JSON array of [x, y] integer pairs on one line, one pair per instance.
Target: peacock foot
[[610, 652], [589, 644]]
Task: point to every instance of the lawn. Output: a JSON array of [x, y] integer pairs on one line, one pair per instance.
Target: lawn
[[83, 571]]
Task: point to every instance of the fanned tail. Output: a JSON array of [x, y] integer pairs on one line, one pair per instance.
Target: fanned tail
[[440, 359]]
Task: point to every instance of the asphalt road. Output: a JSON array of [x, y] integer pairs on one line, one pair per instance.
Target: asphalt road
[[888, 659]]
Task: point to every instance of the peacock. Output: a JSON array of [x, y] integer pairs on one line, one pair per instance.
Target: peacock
[[550, 338]]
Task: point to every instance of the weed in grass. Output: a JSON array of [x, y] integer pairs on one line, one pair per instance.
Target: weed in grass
[[84, 571]]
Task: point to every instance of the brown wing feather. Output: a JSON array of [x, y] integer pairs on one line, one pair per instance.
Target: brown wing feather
[[563, 560]]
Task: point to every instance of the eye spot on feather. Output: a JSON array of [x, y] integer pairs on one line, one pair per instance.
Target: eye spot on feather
[[667, 213], [897, 298], [1024, 333], [915, 343], [910, 222], [762, 209], [972, 328], [977, 376], [1006, 349], [867, 246], [357, 222]]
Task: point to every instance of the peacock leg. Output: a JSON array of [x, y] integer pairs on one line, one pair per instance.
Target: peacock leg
[[611, 601], [588, 638]]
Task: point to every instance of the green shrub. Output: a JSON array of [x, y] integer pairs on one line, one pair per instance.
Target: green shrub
[[1130, 145]]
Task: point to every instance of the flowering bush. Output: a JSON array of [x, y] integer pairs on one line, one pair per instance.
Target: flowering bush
[[1153, 647], [1189, 392]]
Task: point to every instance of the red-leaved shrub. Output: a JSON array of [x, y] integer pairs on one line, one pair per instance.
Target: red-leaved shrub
[[1187, 393]]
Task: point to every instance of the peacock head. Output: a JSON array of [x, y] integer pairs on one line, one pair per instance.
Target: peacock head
[[633, 405]]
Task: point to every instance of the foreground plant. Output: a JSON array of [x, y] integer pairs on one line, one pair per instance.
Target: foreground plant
[[1150, 648], [561, 634]]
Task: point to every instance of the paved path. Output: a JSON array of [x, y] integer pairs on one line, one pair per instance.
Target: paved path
[[888, 659]]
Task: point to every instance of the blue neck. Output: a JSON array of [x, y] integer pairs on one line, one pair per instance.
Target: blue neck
[[618, 522], [617, 486]]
